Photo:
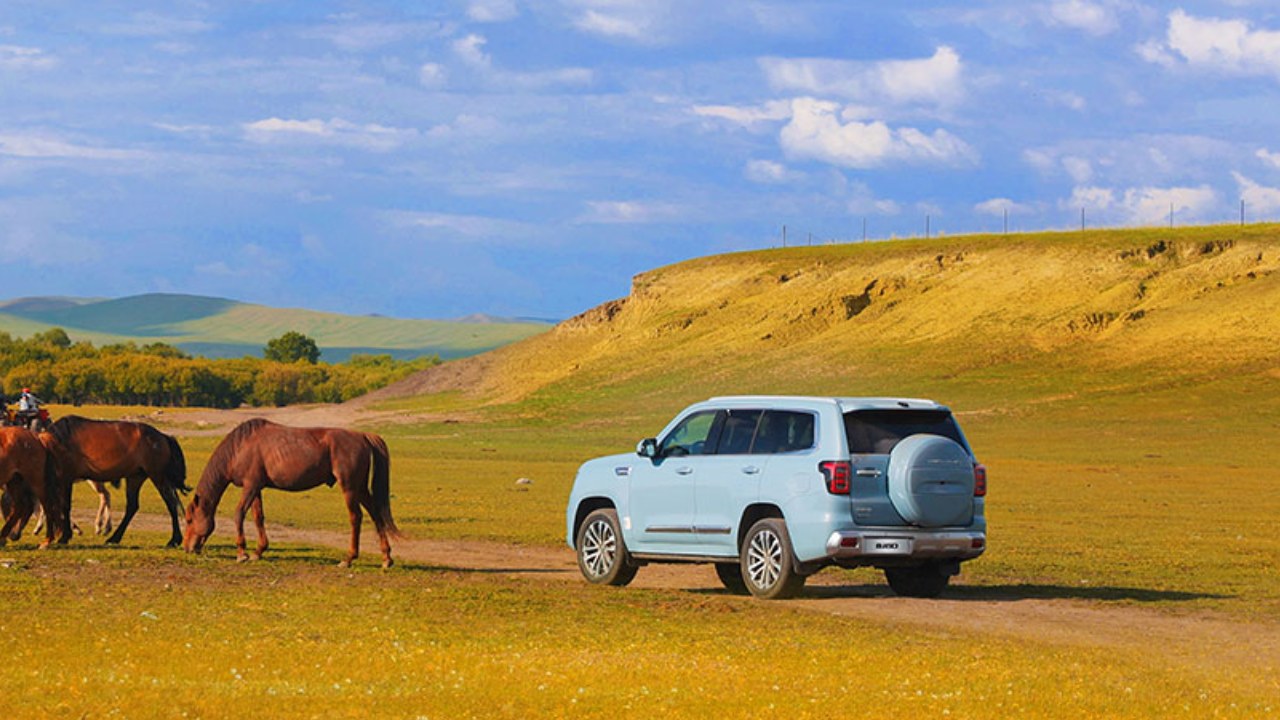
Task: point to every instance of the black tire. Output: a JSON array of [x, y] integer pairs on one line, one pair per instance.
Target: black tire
[[922, 581], [730, 575], [767, 562], [602, 554]]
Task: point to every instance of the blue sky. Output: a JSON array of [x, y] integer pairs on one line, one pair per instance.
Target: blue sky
[[517, 158]]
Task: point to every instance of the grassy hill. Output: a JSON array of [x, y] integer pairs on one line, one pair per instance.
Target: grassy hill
[[217, 327], [1042, 314]]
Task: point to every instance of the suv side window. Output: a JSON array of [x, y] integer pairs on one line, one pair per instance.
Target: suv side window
[[739, 429], [783, 431], [690, 436]]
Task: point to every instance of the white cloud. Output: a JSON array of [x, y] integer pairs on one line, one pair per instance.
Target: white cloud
[[748, 117], [470, 50], [633, 20], [47, 146], [815, 132], [17, 57], [999, 206], [474, 226], [1268, 157], [623, 212], [1144, 205], [1091, 17], [1258, 199], [489, 11], [863, 201], [336, 131], [935, 80], [1079, 169], [769, 173], [1232, 47], [432, 75]]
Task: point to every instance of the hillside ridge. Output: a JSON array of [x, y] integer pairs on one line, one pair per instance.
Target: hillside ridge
[[1137, 301]]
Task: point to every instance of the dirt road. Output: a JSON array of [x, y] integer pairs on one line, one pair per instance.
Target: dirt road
[[1202, 641]]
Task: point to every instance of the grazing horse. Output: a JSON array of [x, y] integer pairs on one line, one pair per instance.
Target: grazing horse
[[28, 476], [260, 454], [108, 450]]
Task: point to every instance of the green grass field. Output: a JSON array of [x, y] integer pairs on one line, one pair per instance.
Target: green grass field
[[1132, 470]]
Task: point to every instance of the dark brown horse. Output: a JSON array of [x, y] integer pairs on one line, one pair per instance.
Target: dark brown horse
[[27, 477], [108, 450], [260, 454]]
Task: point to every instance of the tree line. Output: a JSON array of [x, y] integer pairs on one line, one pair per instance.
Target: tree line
[[59, 370]]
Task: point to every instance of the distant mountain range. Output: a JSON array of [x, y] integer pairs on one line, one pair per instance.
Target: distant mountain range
[[218, 327]]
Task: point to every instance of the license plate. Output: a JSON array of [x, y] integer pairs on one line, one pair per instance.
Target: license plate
[[888, 546]]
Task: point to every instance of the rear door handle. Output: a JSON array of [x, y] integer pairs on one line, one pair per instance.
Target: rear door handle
[[868, 472], [686, 470], [751, 469]]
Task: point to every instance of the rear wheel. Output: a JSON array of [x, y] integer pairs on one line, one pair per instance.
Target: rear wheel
[[767, 565], [731, 577], [922, 581], [602, 555]]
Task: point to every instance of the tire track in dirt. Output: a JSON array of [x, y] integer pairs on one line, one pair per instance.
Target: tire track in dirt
[[1204, 641]]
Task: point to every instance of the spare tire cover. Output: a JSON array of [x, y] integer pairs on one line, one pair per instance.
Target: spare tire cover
[[931, 481]]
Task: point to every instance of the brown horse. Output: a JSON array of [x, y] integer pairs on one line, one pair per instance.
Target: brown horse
[[108, 450], [260, 454], [27, 477]]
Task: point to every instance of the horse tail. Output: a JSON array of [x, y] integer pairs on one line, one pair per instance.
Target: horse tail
[[175, 471], [381, 487]]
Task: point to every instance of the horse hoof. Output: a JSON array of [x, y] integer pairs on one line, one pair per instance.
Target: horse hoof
[[255, 557], [387, 563], [344, 563], [43, 546], [242, 558]]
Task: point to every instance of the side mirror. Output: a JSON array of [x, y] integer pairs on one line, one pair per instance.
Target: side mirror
[[648, 447]]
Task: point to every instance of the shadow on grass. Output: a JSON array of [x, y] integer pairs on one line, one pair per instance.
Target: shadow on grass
[[1021, 591]]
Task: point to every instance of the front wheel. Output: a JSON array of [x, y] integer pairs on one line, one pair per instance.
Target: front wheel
[[923, 581], [768, 563], [602, 554]]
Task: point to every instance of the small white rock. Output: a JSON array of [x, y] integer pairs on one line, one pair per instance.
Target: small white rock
[[524, 481]]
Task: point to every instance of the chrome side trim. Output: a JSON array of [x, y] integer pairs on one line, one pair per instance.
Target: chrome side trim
[[711, 530], [689, 530]]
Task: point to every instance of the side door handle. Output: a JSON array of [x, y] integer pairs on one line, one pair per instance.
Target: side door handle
[[685, 470], [751, 469]]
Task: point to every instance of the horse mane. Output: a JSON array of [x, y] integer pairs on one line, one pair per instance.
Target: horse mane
[[64, 427]]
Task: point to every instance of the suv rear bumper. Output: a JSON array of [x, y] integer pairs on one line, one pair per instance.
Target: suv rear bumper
[[901, 543]]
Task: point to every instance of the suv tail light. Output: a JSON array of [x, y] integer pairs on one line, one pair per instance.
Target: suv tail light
[[979, 480], [838, 474]]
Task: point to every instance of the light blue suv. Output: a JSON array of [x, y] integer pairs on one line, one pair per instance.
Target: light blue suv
[[772, 489]]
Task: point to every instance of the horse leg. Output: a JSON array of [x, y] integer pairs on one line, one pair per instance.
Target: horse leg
[[174, 506], [259, 521], [132, 485], [353, 509], [102, 522], [383, 542], [247, 496]]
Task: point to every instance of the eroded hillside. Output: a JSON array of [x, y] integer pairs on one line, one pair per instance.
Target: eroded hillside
[[856, 318]]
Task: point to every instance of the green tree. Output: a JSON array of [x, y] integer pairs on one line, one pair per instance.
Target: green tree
[[291, 347]]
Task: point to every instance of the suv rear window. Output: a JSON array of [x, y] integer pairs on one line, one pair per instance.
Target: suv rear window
[[878, 431]]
